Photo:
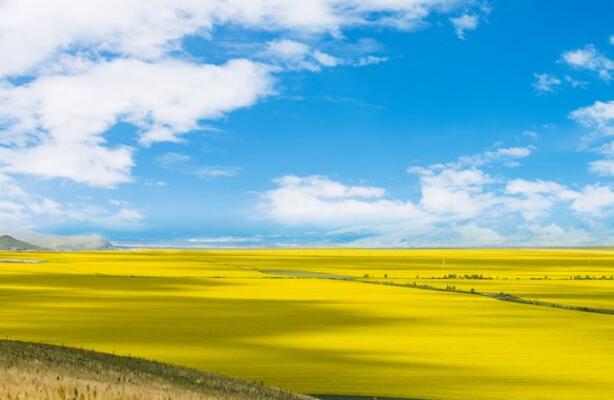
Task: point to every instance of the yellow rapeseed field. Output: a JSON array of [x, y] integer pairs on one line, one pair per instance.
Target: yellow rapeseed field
[[345, 322]]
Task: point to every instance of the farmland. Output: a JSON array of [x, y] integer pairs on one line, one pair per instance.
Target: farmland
[[398, 323]]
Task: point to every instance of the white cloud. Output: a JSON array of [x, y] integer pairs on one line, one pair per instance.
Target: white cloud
[[185, 164], [455, 194], [458, 190], [606, 149], [326, 59], [575, 83], [171, 160], [594, 200], [19, 209], [599, 116], [226, 242], [294, 55], [459, 204], [211, 171], [446, 195], [34, 32], [17, 206], [114, 61], [287, 49], [591, 59], [545, 83], [68, 115], [531, 135], [291, 55], [456, 208], [508, 156], [602, 167], [555, 236], [464, 23], [319, 201], [534, 199], [472, 234], [370, 60]]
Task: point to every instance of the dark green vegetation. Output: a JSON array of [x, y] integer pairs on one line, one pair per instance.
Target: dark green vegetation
[[501, 296], [41, 371], [9, 243]]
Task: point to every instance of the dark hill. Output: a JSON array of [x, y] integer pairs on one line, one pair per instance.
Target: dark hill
[[9, 243]]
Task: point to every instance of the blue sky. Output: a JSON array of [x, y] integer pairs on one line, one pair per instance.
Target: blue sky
[[357, 123]]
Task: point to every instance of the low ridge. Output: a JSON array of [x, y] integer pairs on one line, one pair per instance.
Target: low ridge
[[9, 243]]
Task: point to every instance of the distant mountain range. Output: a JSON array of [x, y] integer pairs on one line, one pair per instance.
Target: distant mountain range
[[29, 240], [9, 243]]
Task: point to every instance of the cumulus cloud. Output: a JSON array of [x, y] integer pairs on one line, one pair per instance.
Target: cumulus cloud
[[69, 114], [115, 61], [594, 199], [455, 194], [34, 33], [320, 201], [459, 203], [535, 199], [589, 58], [69, 78], [598, 116]]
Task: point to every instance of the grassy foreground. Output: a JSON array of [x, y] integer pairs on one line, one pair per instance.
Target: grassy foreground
[[277, 316], [39, 371]]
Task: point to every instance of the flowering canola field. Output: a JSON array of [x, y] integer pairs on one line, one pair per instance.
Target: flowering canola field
[[398, 323]]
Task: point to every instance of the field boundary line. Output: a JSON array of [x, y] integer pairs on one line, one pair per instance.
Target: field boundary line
[[501, 296]]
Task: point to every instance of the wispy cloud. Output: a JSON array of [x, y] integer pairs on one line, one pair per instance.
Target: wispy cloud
[[464, 23], [184, 163], [545, 83]]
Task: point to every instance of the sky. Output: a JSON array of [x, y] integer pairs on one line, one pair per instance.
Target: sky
[[274, 123]]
